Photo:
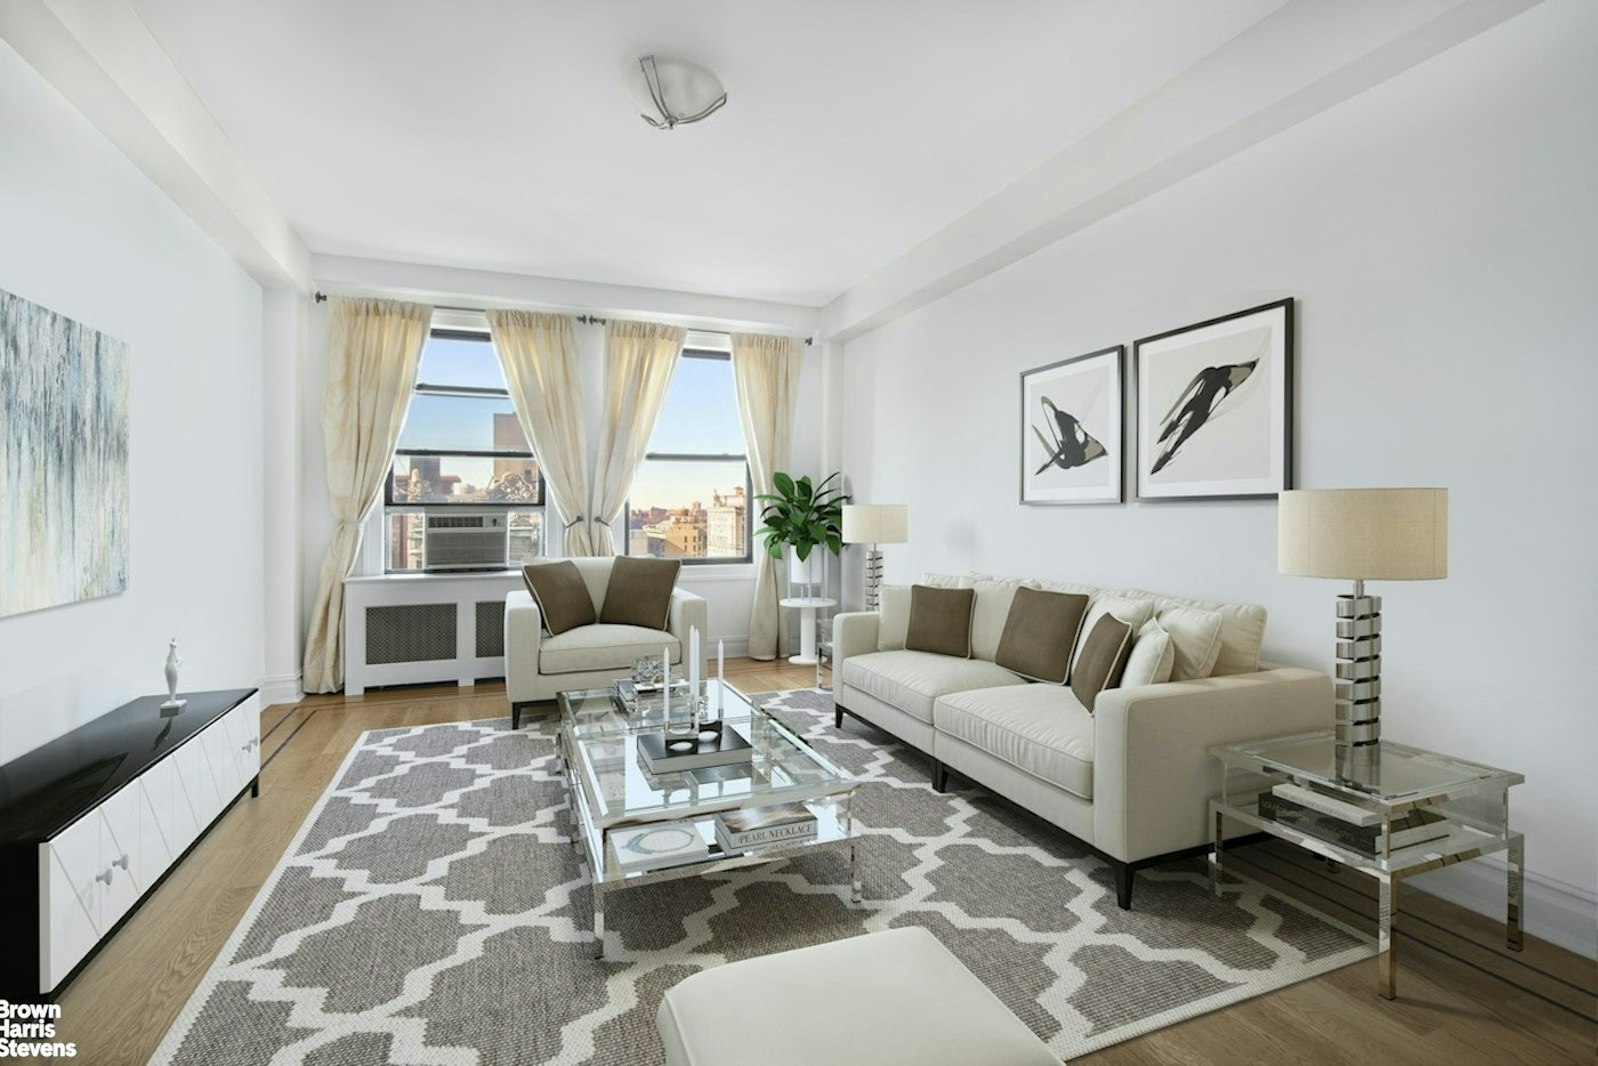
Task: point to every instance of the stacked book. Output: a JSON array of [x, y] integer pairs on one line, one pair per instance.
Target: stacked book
[[1345, 824], [656, 846], [777, 823]]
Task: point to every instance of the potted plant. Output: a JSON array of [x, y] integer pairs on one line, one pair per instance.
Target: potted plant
[[803, 518]]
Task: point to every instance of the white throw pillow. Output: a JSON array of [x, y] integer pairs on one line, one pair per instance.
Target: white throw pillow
[[992, 610], [893, 616], [945, 581], [1152, 658], [1133, 612], [1196, 635]]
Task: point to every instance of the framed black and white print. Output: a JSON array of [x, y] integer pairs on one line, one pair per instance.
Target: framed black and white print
[[1215, 407], [1072, 440]]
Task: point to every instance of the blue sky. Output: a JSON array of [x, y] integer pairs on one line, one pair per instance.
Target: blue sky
[[701, 415]]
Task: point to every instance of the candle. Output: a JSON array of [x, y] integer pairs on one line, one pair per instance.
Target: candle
[[693, 662], [721, 672]]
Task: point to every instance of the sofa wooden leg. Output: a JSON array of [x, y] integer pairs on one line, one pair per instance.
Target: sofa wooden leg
[[1123, 885], [837, 718], [940, 776]]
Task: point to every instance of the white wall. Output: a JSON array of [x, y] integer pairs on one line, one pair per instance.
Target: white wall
[[729, 589], [1439, 234], [83, 232]]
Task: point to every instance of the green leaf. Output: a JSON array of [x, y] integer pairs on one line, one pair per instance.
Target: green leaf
[[784, 484]]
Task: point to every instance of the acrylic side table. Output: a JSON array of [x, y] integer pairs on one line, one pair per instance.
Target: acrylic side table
[[1391, 781]]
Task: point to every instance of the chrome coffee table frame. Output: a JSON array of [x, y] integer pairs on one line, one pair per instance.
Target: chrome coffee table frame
[[599, 753]]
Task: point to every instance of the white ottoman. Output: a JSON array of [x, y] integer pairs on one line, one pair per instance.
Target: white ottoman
[[883, 999]]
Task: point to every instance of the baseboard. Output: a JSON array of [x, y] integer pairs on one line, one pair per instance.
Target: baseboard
[[279, 690], [1559, 913], [736, 647]]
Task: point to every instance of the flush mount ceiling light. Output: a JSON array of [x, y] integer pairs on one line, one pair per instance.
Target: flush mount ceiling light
[[671, 92]]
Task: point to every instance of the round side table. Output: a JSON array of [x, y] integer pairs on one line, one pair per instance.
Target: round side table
[[807, 607]]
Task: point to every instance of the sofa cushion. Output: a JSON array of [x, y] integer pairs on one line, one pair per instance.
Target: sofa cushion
[[940, 620], [603, 646], [639, 593], [1039, 729], [1040, 633], [912, 680], [1196, 636], [1152, 658], [988, 616], [1102, 660], [945, 581], [562, 597], [1134, 612], [893, 621], [1242, 629]]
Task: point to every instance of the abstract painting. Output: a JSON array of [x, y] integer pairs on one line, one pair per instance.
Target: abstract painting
[[1215, 407], [63, 459], [1071, 438]]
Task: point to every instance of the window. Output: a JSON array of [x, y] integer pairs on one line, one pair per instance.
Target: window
[[462, 446], [690, 500]]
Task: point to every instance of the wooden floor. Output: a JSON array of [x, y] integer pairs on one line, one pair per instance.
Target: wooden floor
[[1463, 998]]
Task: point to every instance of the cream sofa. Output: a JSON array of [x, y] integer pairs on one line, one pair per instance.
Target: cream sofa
[[1132, 780], [538, 666]]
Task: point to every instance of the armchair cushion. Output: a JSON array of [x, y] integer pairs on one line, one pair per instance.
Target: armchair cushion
[[603, 646], [639, 593], [561, 594]]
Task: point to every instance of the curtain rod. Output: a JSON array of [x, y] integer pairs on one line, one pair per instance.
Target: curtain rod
[[587, 320]]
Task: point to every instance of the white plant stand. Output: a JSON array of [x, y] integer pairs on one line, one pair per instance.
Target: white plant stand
[[807, 607]]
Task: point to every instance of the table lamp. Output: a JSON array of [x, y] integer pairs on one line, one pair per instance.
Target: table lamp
[[875, 524], [1362, 535]]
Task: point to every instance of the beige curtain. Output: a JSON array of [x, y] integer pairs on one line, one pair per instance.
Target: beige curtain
[[639, 359], [539, 354], [373, 348], [766, 371]]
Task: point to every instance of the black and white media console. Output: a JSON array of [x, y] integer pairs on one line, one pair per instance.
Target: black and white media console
[[93, 820]]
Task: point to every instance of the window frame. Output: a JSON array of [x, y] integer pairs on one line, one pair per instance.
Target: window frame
[[701, 457], [392, 506]]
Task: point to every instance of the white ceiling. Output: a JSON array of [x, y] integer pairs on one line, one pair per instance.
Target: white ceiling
[[497, 135]]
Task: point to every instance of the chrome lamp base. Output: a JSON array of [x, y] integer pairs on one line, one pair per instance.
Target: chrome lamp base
[[1358, 686], [873, 578]]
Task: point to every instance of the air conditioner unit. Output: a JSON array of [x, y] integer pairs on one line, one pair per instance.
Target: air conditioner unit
[[472, 541]]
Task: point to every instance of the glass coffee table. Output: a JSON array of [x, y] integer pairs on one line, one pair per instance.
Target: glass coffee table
[[611, 789], [1465, 805]]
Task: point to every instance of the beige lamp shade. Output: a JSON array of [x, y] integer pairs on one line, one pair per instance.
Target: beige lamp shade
[[1363, 534], [876, 523]]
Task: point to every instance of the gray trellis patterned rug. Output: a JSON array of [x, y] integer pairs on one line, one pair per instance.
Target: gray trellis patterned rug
[[433, 911]]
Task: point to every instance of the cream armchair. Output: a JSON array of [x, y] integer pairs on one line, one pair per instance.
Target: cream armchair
[[539, 666]]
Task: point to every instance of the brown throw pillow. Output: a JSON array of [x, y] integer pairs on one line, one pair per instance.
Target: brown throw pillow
[[1102, 659], [562, 597], [639, 593], [1040, 632], [940, 620]]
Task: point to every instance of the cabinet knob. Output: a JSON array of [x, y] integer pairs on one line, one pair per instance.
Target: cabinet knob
[[104, 876], [122, 862]]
